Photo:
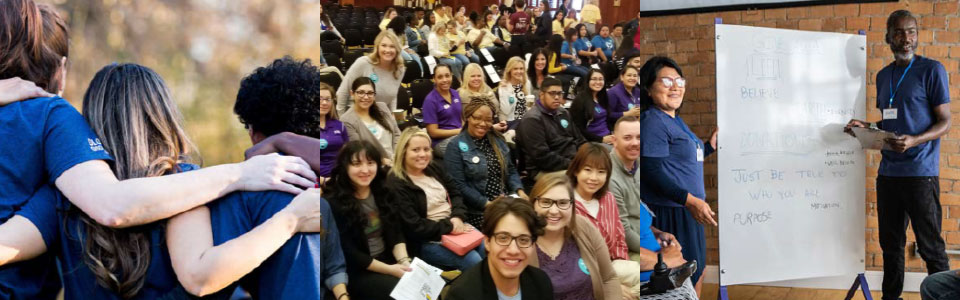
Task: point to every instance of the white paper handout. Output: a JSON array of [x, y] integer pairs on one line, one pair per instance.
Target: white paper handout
[[487, 54], [492, 73], [431, 62], [423, 282]]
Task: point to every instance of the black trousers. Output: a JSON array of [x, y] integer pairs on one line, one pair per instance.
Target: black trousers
[[899, 201]]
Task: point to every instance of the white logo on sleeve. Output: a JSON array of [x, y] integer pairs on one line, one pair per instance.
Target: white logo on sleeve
[[95, 144]]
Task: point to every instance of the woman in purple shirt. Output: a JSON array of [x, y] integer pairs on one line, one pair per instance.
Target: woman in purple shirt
[[589, 111], [625, 96], [571, 251], [442, 107]]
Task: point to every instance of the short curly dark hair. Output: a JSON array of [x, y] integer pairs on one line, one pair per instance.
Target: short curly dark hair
[[283, 97]]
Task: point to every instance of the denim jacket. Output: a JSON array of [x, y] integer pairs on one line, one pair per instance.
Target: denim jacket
[[467, 167], [412, 39]]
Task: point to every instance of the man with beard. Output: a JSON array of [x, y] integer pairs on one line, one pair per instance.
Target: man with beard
[[913, 95]]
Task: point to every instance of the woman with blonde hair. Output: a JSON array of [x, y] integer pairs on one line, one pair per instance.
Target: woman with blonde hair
[[440, 47], [428, 203], [383, 66], [475, 86], [387, 17], [513, 91], [572, 251]]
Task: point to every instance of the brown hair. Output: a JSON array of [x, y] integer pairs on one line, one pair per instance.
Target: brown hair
[[132, 111], [522, 209], [591, 155], [548, 181], [27, 49]]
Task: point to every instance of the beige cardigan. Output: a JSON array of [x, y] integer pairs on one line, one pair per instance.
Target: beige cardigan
[[357, 130], [593, 250]]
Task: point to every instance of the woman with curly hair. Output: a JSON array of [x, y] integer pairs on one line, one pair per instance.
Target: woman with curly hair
[[370, 234]]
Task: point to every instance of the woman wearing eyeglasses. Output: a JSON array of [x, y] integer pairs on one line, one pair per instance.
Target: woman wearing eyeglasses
[[672, 161], [511, 226], [572, 251], [479, 163], [369, 120], [624, 97]]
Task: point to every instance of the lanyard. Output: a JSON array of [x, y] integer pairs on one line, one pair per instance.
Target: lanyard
[[693, 137], [893, 90]]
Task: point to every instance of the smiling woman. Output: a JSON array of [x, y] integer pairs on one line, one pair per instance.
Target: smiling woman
[[479, 161], [427, 201]]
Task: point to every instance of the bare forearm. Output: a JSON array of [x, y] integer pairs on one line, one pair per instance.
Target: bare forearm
[[400, 251], [339, 290], [138, 201], [217, 267], [20, 240], [438, 133], [379, 267]]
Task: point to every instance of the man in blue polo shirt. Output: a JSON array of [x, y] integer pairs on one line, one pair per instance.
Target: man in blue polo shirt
[[913, 95]]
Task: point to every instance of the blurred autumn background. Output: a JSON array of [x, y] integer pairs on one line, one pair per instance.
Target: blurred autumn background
[[202, 48]]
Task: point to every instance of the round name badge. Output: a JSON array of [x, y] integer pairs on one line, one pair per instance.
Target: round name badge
[[446, 106], [374, 77], [564, 123], [463, 147], [597, 109], [323, 144], [512, 100], [476, 159], [630, 106]]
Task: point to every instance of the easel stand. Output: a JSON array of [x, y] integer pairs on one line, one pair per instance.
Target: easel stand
[[860, 282]]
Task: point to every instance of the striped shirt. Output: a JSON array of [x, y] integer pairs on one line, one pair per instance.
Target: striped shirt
[[608, 222]]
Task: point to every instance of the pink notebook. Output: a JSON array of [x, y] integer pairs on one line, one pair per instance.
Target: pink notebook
[[462, 243]]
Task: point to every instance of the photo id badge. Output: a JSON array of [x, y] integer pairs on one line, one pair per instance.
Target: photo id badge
[[699, 154], [890, 114]]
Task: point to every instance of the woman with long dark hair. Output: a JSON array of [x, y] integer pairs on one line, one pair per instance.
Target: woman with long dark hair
[[370, 234], [370, 120], [538, 69], [589, 109]]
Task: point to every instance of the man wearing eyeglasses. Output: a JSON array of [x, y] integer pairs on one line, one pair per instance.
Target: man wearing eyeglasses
[[546, 134]]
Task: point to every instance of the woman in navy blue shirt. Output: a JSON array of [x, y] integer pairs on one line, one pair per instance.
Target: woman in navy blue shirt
[[672, 161]]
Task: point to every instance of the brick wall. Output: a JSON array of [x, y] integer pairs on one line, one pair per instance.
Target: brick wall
[[689, 40]]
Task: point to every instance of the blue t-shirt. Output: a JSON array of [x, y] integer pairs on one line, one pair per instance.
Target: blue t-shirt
[[669, 138], [331, 140], [605, 45], [582, 44], [924, 87], [42, 138], [436, 110], [565, 49], [78, 280], [303, 268]]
